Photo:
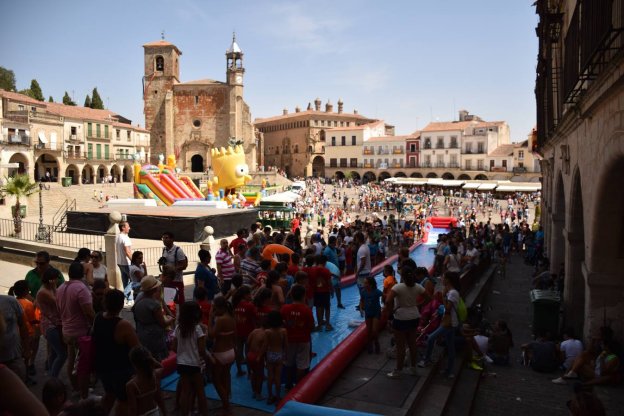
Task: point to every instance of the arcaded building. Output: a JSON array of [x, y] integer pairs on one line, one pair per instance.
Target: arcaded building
[[295, 142], [187, 119], [580, 134]]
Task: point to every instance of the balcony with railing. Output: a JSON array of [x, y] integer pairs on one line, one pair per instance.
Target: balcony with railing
[[48, 147], [412, 165], [68, 154], [453, 146], [595, 36], [74, 138], [19, 116], [426, 164], [439, 145], [16, 139], [440, 165], [367, 165], [498, 169], [396, 165], [383, 151], [398, 151], [427, 146], [368, 152], [94, 156], [453, 165]]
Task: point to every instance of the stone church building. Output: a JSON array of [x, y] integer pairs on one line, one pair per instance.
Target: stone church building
[[188, 119]]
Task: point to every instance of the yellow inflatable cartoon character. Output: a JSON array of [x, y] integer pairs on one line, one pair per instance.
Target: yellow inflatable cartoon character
[[230, 168]]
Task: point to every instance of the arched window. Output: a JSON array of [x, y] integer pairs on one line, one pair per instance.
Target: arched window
[[310, 150], [296, 148], [160, 63]]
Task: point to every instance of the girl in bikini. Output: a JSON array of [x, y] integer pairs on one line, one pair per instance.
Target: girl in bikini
[[277, 345], [222, 331], [143, 390]]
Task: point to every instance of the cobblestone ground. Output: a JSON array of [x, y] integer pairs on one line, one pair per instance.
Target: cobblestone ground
[[518, 390]]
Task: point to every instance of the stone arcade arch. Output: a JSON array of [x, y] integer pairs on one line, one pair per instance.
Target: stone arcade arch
[[463, 176], [481, 177], [383, 176], [557, 219], [72, 171], [101, 173], [339, 175], [87, 174], [574, 296], [115, 172], [20, 159], [432, 175], [416, 175], [448, 175], [400, 175], [127, 174], [355, 176], [318, 167], [46, 163], [370, 177], [603, 271]]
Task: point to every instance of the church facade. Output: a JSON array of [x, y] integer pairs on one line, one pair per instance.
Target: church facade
[[188, 119]]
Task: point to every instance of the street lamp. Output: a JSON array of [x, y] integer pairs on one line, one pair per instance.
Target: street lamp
[[42, 232]]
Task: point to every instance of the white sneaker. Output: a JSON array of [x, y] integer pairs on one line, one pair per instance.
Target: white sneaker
[[394, 374], [488, 359], [560, 380], [570, 374]]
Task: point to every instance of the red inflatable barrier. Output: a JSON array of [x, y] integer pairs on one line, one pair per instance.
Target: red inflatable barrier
[[169, 364], [312, 386], [442, 222]]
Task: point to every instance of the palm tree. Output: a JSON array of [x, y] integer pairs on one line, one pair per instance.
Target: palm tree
[[19, 186]]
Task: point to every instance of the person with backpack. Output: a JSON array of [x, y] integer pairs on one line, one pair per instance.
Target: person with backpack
[[174, 255], [454, 312]]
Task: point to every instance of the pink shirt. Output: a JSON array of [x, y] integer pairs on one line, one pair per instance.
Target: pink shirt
[[70, 296]]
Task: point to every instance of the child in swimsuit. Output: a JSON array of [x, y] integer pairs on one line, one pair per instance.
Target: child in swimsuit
[[256, 349], [143, 390], [277, 344]]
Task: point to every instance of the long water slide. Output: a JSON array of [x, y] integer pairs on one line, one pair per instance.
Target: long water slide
[[192, 188]]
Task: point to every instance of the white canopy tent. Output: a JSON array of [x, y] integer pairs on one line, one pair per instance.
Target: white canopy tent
[[284, 197]]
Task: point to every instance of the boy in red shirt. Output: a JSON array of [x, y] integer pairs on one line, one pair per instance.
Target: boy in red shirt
[[321, 284], [299, 322], [245, 316]]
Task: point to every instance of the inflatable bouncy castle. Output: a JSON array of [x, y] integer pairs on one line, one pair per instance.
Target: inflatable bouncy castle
[[163, 185]]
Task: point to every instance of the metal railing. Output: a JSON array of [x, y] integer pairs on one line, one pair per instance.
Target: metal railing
[[152, 254], [18, 139], [31, 231], [440, 164], [59, 220], [49, 147]]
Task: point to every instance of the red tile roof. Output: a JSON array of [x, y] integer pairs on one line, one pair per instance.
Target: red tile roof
[[307, 115], [84, 113], [200, 82], [15, 96], [161, 43], [502, 150]]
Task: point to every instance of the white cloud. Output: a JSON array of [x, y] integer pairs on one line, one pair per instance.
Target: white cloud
[[367, 80], [303, 26]]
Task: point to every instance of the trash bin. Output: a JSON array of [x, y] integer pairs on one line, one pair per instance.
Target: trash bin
[[67, 181], [546, 305]]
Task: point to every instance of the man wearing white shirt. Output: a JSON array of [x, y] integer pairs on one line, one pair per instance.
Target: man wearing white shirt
[[123, 247]]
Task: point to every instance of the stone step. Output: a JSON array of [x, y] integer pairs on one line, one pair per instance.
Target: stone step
[[464, 392]]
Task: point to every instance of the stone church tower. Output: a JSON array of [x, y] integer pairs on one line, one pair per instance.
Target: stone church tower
[[190, 118]]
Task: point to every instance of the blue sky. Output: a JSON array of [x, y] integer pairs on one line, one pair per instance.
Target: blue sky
[[407, 62]]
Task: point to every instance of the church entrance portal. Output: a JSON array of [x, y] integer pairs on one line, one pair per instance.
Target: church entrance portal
[[197, 163]]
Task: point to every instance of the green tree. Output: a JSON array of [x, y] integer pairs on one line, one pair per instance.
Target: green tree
[[19, 186], [50, 100], [7, 79], [67, 100], [87, 101], [37, 94], [96, 101]]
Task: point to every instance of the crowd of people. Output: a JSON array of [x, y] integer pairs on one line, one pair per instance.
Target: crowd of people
[[270, 290]]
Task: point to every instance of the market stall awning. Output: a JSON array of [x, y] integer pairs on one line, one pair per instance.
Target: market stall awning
[[487, 186], [285, 197], [515, 188], [451, 182], [471, 185]]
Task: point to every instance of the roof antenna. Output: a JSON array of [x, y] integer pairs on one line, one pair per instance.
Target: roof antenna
[[162, 34]]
